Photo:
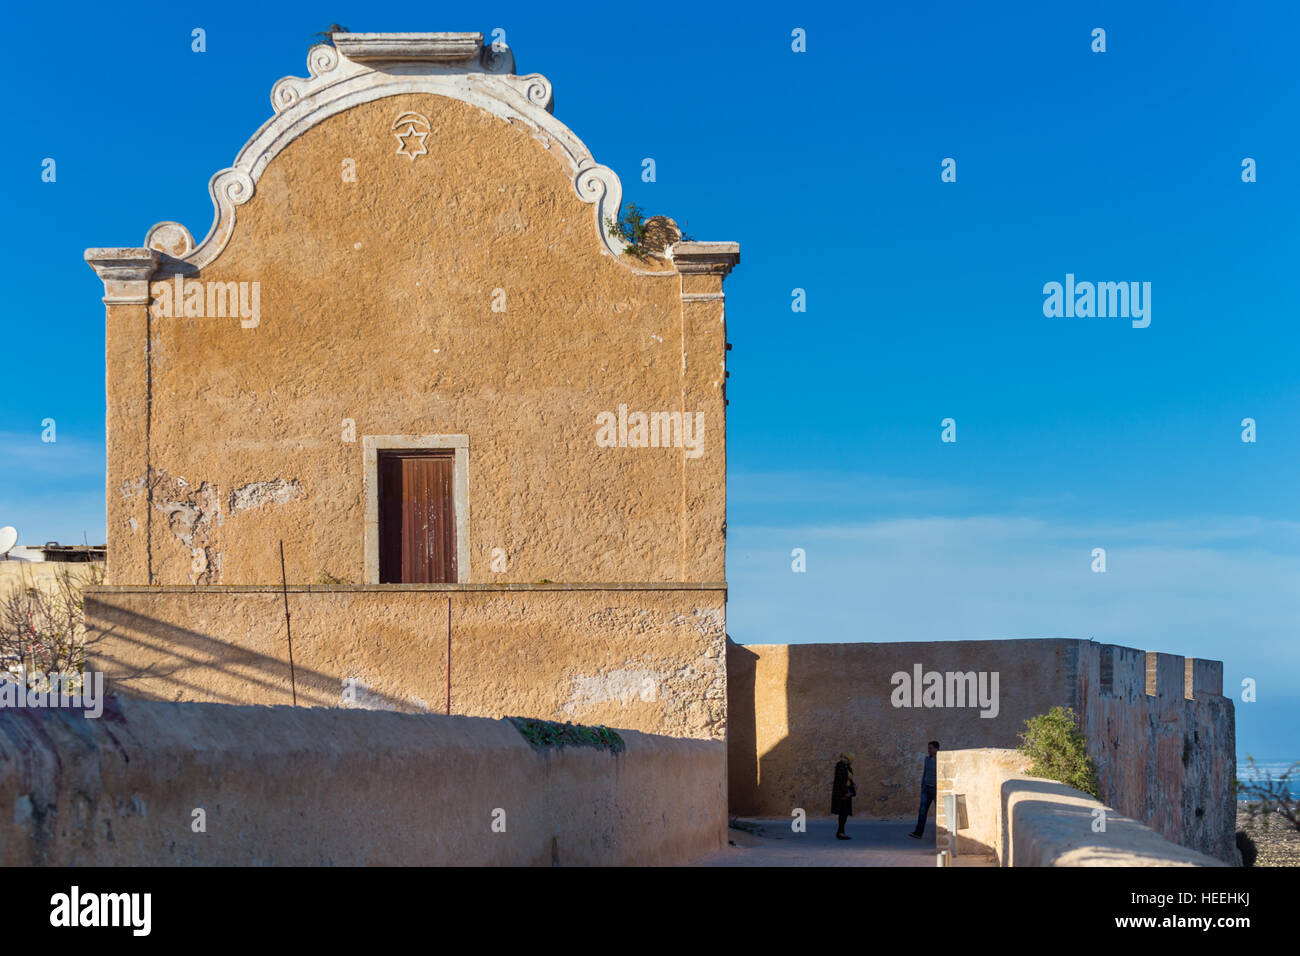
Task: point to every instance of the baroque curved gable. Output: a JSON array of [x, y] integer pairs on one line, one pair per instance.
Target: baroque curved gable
[[363, 67]]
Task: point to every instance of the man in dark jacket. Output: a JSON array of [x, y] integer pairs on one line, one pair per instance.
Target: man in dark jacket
[[843, 790], [929, 780]]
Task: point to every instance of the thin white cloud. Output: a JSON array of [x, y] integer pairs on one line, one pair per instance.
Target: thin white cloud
[[1221, 588], [1168, 586], [24, 456]]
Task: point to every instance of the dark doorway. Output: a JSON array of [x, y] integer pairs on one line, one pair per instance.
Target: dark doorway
[[417, 517]]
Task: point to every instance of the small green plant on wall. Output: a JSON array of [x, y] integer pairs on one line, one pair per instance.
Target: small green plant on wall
[[630, 226], [549, 733], [1058, 750], [645, 236]]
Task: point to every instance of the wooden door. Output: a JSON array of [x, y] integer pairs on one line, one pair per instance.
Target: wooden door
[[417, 517]]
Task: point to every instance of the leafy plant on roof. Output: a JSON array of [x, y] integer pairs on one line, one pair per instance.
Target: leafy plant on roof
[[327, 35], [630, 227]]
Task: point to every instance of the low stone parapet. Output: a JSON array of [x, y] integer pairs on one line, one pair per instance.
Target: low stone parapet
[[1029, 821], [153, 783]]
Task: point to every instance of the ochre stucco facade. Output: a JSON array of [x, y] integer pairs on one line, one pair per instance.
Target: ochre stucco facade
[[414, 253]]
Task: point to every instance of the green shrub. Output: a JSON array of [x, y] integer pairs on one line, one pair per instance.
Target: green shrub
[[1058, 750], [551, 733], [630, 226]]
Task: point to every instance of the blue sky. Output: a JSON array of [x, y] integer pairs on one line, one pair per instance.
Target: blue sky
[[924, 298]]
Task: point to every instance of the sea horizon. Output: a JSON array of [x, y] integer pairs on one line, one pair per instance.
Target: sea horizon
[[1262, 768]]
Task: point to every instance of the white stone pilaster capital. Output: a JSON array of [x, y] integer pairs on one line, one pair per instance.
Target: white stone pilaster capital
[[705, 258], [125, 273]]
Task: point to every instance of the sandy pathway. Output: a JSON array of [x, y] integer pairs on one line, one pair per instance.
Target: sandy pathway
[[874, 843]]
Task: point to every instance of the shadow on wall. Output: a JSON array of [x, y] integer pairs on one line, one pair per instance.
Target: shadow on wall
[[821, 718], [742, 736], [181, 659], [539, 651], [794, 708]]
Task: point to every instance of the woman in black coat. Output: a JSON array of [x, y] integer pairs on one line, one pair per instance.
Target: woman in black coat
[[843, 790]]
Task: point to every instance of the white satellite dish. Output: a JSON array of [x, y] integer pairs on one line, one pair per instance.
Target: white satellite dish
[[8, 538]]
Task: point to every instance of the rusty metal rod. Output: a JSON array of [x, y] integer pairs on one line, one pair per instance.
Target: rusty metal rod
[[284, 590]]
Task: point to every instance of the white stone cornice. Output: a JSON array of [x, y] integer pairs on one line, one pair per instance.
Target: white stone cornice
[[696, 258], [436, 47], [125, 273]]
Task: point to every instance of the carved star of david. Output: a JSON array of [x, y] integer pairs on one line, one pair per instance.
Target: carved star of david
[[411, 142]]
